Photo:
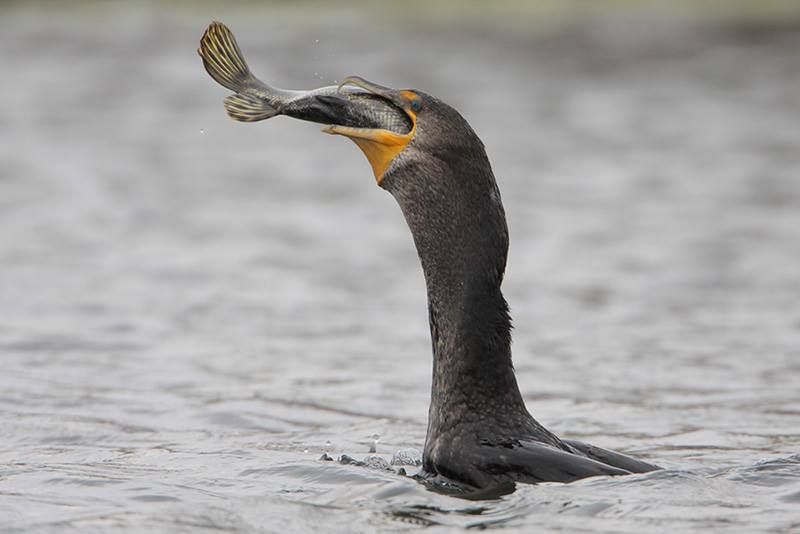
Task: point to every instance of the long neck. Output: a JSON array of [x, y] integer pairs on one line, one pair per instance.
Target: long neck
[[460, 233], [471, 340]]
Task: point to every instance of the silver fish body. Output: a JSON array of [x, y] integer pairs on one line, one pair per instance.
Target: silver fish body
[[253, 100]]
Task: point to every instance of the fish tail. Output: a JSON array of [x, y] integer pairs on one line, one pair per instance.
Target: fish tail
[[224, 61], [248, 108]]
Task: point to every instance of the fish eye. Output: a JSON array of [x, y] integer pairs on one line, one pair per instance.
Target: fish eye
[[416, 105]]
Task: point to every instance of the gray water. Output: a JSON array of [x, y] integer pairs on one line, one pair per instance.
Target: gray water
[[193, 311]]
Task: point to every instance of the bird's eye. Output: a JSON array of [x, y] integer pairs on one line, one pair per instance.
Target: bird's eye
[[416, 105]]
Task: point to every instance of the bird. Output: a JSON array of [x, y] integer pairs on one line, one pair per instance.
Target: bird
[[481, 439]]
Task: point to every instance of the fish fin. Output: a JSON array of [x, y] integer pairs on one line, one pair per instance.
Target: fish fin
[[248, 108], [223, 59]]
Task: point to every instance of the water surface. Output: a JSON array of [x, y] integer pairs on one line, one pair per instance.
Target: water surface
[[193, 311]]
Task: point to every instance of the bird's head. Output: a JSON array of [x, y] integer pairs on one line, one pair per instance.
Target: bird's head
[[435, 134], [436, 168]]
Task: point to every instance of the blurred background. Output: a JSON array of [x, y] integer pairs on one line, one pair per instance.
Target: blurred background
[[193, 310]]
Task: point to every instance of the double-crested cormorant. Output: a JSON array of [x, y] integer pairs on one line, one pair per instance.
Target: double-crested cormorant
[[480, 435]]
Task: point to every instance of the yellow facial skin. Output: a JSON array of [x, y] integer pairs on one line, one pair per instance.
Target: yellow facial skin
[[381, 146]]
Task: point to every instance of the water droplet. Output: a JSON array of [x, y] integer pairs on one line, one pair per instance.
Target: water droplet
[[305, 451], [316, 40], [328, 444], [202, 131]]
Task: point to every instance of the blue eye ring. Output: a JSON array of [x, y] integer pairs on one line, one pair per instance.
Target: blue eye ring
[[416, 105]]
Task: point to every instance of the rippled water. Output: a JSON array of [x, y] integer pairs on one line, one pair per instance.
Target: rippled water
[[193, 311]]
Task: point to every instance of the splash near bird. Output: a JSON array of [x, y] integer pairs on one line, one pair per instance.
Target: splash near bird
[[481, 438]]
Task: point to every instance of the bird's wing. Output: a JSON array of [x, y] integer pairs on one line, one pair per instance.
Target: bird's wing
[[611, 458], [531, 461]]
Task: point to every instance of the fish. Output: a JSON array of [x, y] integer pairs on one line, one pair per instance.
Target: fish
[[253, 100]]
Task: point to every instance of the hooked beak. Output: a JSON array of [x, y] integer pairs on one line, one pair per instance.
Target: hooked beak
[[380, 146]]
